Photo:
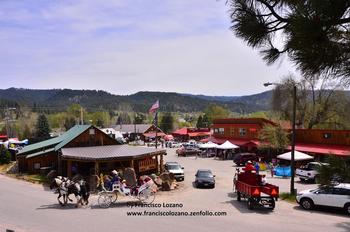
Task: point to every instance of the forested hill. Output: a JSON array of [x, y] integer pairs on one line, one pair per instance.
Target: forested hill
[[59, 99]]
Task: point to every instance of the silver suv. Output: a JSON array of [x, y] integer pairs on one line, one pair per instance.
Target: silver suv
[[176, 169]]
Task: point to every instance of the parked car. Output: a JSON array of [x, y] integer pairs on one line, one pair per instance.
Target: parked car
[[204, 178], [191, 144], [172, 144], [176, 169], [309, 171], [332, 196], [242, 158], [153, 144], [185, 151]]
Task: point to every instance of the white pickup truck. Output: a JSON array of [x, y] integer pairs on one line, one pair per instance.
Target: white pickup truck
[[308, 172]]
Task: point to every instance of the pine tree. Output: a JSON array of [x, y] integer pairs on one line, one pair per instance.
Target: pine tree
[[199, 122], [167, 123], [205, 121], [315, 33], [42, 128]]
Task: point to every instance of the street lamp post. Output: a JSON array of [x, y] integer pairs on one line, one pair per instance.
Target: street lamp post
[[292, 160]]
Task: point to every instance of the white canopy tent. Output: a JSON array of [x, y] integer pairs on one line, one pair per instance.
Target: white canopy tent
[[298, 156], [227, 145], [208, 145]]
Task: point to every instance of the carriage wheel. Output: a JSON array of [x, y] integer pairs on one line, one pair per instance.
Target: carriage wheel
[[147, 196], [114, 197], [104, 200]]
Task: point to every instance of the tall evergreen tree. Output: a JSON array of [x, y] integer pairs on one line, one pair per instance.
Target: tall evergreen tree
[[42, 128], [205, 121], [200, 122], [167, 123], [315, 33]]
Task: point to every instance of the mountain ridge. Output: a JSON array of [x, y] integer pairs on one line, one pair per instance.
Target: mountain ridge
[[60, 99]]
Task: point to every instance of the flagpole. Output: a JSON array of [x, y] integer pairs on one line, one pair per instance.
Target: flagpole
[[156, 122]]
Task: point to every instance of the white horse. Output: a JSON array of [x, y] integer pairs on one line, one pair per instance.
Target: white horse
[[61, 185], [65, 187]]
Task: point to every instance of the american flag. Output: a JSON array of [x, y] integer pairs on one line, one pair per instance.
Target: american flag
[[154, 107]]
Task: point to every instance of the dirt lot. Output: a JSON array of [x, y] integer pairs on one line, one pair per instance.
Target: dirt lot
[[30, 207]]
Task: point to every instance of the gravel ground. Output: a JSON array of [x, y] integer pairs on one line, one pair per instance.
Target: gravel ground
[[29, 207]]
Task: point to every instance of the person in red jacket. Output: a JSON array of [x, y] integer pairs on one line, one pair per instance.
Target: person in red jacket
[[249, 167]]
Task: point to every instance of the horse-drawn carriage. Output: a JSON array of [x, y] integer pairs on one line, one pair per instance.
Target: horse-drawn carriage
[[144, 193]]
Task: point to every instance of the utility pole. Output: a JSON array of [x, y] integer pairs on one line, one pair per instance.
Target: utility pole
[[81, 116], [8, 119], [292, 160]]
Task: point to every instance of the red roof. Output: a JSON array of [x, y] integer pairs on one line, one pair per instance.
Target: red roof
[[323, 149], [192, 132], [182, 131], [153, 135], [196, 134]]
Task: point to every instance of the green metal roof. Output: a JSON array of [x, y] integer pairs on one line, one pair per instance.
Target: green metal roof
[[57, 142], [40, 153], [71, 134]]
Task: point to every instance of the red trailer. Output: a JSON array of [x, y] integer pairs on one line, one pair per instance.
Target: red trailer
[[251, 186]]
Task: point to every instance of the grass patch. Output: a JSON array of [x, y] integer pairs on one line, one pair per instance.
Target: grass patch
[[35, 178], [4, 167], [288, 197]]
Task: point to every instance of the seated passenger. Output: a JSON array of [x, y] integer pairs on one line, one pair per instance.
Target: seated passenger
[[115, 180], [249, 167]]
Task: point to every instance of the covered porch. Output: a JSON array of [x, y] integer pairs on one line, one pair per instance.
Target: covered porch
[[103, 159]]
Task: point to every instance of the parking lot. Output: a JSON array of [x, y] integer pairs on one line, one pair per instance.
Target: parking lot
[[30, 207]]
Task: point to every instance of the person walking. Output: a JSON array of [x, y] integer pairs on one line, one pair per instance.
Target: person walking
[[272, 167], [257, 168]]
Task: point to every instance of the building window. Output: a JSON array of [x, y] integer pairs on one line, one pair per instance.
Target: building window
[[242, 131], [221, 131], [216, 131], [36, 166], [92, 131], [327, 135]]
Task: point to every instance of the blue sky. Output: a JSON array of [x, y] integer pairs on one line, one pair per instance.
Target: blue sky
[[128, 46]]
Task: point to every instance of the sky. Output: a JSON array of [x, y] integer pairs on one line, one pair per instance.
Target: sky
[[128, 46]]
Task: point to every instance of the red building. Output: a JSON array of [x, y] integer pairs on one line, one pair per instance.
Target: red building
[[187, 133], [244, 132], [322, 142]]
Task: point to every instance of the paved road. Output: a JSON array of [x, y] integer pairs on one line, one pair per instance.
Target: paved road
[[30, 207]]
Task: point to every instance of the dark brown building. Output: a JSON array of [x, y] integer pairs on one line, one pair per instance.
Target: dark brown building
[[58, 153]]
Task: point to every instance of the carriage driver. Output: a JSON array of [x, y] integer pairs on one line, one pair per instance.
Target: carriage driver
[[115, 179]]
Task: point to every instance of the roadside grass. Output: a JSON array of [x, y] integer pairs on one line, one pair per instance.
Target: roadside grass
[[4, 167], [288, 197], [38, 179], [34, 178]]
